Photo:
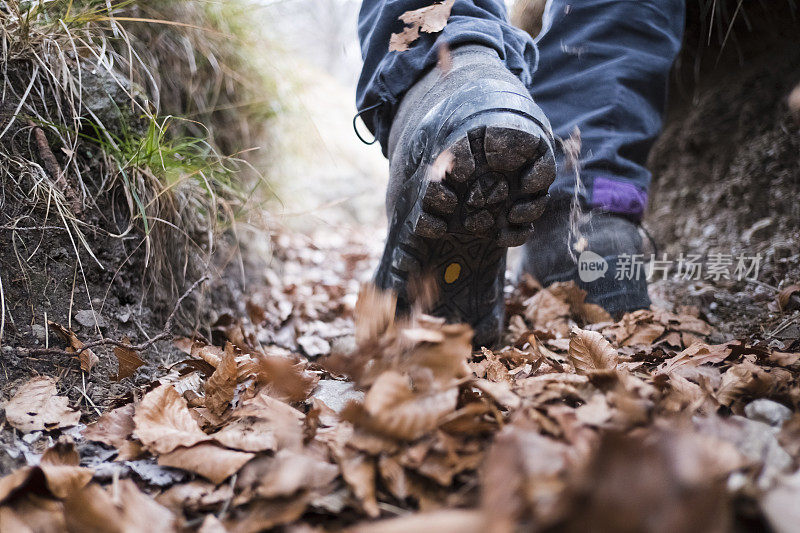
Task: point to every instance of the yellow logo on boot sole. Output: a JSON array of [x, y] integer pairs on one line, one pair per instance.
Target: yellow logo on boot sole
[[452, 272]]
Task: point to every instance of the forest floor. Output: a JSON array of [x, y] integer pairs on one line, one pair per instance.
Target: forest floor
[[315, 408], [301, 402]]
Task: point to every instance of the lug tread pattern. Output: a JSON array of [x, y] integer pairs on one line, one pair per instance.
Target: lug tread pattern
[[495, 188]]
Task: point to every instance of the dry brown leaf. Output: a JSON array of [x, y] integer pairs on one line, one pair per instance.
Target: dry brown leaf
[[358, 471], [206, 459], [524, 471], [63, 480], [785, 297], [750, 380], [286, 421], [132, 511], [500, 392], [447, 358], [673, 338], [285, 474], [60, 466], [197, 495], [590, 352], [695, 355], [263, 515], [685, 396], [211, 524], [32, 513], [128, 361], [248, 434], [374, 313], [36, 407], [163, 421], [683, 489], [544, 310], [444, 521], [595, 412], [52, 479], [286, 379], [783, 358], [683, 322], [645, 334], [221, 385], [210, 354], [393, 409], [113, 428], [591, 313], [87, 357], [430, 19], [394, 477]]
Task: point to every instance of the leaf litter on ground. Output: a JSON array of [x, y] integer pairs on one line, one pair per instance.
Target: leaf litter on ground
[[577, 421]]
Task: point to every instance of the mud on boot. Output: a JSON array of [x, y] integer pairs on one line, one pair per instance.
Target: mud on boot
[[471, 160]]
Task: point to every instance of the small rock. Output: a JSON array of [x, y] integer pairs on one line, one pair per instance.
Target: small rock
[[87, 317], [314, 346], [336, 394], [39, 332], [767, 411]]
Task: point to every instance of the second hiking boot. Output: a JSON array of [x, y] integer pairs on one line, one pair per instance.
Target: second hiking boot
[[471, 159]]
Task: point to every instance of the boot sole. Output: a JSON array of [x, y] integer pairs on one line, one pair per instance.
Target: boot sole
[[457, 230]]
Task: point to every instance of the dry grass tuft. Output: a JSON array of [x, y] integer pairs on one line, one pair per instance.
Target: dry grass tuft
[[129, 119]]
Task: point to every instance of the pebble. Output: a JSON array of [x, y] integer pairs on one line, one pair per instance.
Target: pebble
[[87, 317], [767, 411]]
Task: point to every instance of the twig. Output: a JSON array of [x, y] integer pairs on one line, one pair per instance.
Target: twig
[[83, 392], [48, 158], [166, 332]]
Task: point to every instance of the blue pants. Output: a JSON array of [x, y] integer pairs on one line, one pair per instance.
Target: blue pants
[[601, 66]]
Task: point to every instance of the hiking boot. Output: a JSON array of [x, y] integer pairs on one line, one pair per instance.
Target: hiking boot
[[471, 158], [607, 245]]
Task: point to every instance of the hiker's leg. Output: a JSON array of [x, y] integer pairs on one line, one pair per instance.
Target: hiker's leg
[[470, 155], [603, 69], [386, 76]]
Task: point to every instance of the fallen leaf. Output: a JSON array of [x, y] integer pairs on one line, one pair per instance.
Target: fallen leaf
[[197, 495], [590, 352], [430, 19], [286, 379], [210, 354], [248, 434], [131, 511], [263, 515], [113, 428], [211, 524], [444, 521], [206, 459], [128, 361], [785, 301], [37, 407], [359, 472], [695, 355], [285, 474], [374, 313], [545, 311], [221, 385], [163, 421], [644, 334], [87, 357], [32, 513], [393, 409], [500, 392]]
